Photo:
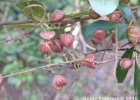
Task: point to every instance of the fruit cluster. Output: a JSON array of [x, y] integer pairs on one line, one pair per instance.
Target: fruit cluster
[[56, 45]]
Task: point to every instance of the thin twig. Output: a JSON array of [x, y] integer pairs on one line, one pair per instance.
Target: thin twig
[[92, 52], [20, 37], [116, 52]]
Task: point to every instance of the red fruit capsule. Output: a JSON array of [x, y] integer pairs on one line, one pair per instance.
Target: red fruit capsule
[[59, 81], [89, 61], [126, 63], [47, 35], [133, 34], [44, 48], [98, 35], [57, 16], [56, 46], [115, 16], [113, 38], [66, 40]]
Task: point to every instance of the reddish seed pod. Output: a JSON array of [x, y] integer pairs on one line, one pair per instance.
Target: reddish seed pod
[[126, 63], [44, 48], [66, 40], [59, 81], [133, 30], [114, 17], [133, 34], [98, 35], [89, 61], [56, 46], [113, 38], [47, 35], [57, 16]]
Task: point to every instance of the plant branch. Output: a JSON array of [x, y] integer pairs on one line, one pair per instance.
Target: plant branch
[[66, 20], [51, 65]]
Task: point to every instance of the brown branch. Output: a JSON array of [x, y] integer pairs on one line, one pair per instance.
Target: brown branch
[[105, 50], [66, 20], [46, 67]]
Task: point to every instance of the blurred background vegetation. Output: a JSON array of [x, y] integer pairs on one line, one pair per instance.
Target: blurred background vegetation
[[17, 56]]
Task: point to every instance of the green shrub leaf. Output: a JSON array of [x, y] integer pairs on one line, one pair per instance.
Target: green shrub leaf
[[104, 7], [126, 12], [137, 79]]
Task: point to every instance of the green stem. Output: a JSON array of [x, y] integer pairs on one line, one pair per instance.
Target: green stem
[[106, 48]]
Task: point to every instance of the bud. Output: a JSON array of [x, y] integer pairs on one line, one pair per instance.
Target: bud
[[57, 16], [47, 35], [98, 36], [44, 48], [126, 63], [113, 38], [114, 17], [125, 1], [133, 35], [89, 61], [66, 40], [59, 81], [93, 14], [56, 46]]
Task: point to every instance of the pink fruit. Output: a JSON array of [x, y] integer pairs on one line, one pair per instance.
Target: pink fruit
[[98, 36], [47, 35], [44, 48], [59, 81], [56, 46], [114, 17], [66, 40], [113, 38], [89, 61], [57, 16], [133, 34], [126, 63]]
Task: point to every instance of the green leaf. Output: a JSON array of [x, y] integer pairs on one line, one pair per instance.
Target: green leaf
[[137, 79], [68, 9], [22, 26], [36, 11], [126, 12], [76, 15], [138, 11], [105, 25], [120, 73], [104, 7], [121, 34]]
